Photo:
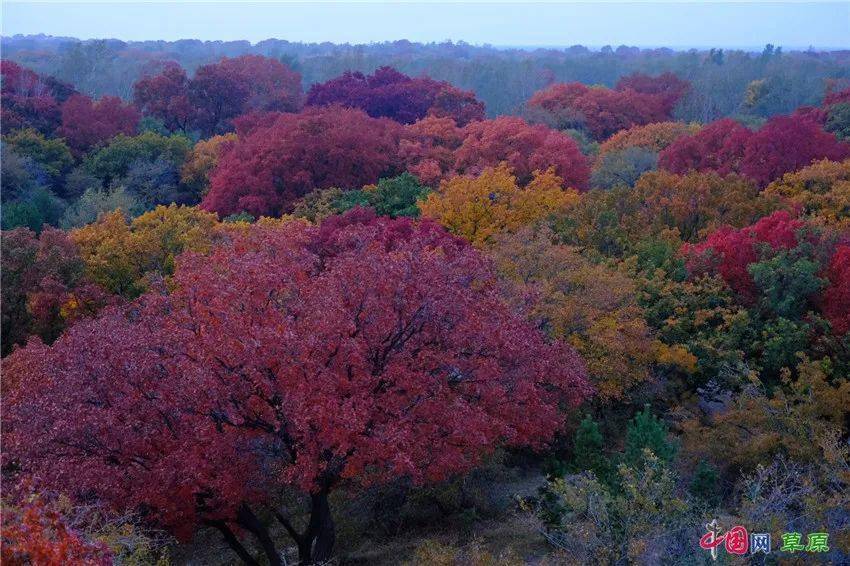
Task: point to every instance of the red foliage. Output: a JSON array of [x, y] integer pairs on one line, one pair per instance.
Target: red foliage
[[41, 274], [36, 533], [719, 146], [86, 124], [360, 351], [525, 148], [835, 300], [284, 159], [387, 93], [166, 96], [786, 144], [29, 100], [728, 252], [604, 112], [221, 91], [427, 148], [667, 86], [836, 97]]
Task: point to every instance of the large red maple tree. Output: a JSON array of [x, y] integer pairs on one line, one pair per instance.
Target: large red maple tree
[[281, 157], [296, 356], [525, 148]]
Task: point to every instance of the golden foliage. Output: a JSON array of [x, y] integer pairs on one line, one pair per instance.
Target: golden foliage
[[654, 137], [593, 306], [125, 257], [202, 160], [822, 190], [480, 208]]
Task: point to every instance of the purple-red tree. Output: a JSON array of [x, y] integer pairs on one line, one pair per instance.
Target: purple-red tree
[[87, 123], [719, 146], [835, 300], [29, 100], [361, 351], [525, 148], [282, 157], [221, 91], [166, 96], [667, 87], [603, 111], [729, 252], [387, 93], [786, 144]]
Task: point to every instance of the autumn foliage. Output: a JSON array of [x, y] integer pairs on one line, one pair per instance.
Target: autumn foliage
[[87, 123], [524, 148], [35, 532], [356, 352], [387, 93], [655, 137], [480, 208], [268, 312], [785, 144], [218, 93], [636, 100], [293, 154], [30, 100]]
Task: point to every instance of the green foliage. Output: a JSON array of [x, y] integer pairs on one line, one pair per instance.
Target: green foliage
[[588, 450], [641, 523], [838, 120], [33, 211], [241, 217], [778, 344], [647, 432], [53, 155], [151, 124], [623, 168], [19, 174], [397, 196], [705, 484], [95, 202], [115, 160], [346, 200], [787, 280]]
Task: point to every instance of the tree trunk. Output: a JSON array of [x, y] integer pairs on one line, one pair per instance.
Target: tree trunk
[[249, 521], [317, 543], [325, 531], [233, 543]]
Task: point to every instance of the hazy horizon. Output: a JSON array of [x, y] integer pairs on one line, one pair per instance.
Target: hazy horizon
[[674, 25]]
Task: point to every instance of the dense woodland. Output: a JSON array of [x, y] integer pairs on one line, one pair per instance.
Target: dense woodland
[[421, 304]]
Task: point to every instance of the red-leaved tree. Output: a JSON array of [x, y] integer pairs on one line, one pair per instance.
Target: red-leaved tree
[[282, 157], [719, 146], [525, 148], [87, 123], [786, 144], [729, 252], [301, 357], [835, 300], [28, 100], [221, 91], [637, 100], [166, 96], [667, 87], [426, 148], [35, 532], [388, 93]]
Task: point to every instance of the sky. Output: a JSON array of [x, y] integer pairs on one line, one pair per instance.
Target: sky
[[681, 24]]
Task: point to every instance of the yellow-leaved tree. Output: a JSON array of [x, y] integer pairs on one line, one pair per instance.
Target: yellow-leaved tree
[[124, 257], [480, 208]]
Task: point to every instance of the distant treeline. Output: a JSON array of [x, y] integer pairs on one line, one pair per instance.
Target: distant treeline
[[725, 82]]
